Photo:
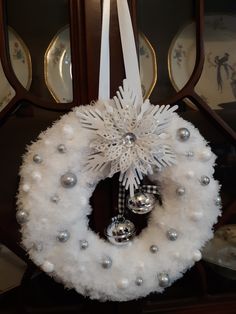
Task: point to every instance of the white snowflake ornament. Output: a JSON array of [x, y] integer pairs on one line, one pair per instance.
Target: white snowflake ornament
[[128, 136]]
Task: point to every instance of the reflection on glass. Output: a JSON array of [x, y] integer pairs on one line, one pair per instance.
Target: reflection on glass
[[6, 91], [160, 21], [37, 22]]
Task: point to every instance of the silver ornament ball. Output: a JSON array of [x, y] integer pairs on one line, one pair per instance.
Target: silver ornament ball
[[106, 262], [22, 216], [37, 159], [183, 134], [83, 244], [61, 148], [218, 201], [129, 139], [141, 203], [180, 191], [120, 231], [172, 234], [205, 180], [68, 180], [139, 281], [163, 279], [63, 236], [154, 249]]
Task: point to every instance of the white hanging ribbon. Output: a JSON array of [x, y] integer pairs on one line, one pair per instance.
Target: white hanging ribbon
[[128, 49], [104, 74]]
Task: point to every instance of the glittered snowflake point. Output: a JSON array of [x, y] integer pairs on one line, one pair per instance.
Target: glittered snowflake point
[[128, 137]]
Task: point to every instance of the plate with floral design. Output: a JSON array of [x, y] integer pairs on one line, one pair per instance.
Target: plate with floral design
[[217, 84], [21, 64], [58, 67]]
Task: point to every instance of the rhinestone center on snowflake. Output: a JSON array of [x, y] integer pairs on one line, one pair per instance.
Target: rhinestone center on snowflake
[[129, 139]]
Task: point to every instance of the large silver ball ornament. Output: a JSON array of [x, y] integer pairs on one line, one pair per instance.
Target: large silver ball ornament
[[141, 203], [183, 134], [164, 280], [22, 216], [120, 231], [63, 236], [68, 180]]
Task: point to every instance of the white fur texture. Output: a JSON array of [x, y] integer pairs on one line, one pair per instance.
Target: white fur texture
[[192, 215]]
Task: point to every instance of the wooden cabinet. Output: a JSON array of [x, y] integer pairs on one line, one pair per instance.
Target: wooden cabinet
[[30, 109]]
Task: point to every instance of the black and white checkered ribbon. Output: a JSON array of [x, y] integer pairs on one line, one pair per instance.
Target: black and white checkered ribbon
[[146, 188]]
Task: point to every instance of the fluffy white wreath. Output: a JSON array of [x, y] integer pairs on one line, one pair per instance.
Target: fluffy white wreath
[[53, 205]]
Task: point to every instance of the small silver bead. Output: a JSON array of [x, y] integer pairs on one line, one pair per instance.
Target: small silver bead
[[218, 201], [183, 134], [106, 263], [55, 198], [63, 236], [139, 281], [22, 216], [61, 148], [180, 191], [189, 154], [37, 159], [205, 180], [154, 249], [164, 280], [83, 244], [172, 234], [68, 180]]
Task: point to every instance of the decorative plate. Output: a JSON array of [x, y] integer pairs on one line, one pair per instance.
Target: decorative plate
[[58, 67], [217, 84], [21, 63]]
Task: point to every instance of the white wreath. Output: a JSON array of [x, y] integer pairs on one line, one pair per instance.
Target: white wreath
[[55, 217]]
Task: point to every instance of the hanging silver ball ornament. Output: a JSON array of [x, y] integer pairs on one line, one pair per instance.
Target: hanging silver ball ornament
[[83, 244], [37, 159], [180, 191], [55, 198], [154, 249], [120, 231], [172, 234], [218, 201], [61, 148], [139, 281], [183, 134], [22, 216], [129, 139], [106, 262], [141, 203], [164, 280], [68, 180], [205, 180], [63, 236]]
